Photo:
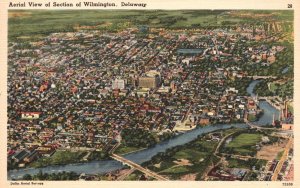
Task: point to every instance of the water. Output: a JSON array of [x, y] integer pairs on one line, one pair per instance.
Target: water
[[269, 110], [146, 155], [285, 70], [251, 86], [189, 51], [139, 157]]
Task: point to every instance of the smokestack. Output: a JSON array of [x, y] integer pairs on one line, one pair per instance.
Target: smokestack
[[286, 109], [282, 114]]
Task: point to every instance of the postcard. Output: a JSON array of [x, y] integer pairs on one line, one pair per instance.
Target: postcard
[[149, 93]]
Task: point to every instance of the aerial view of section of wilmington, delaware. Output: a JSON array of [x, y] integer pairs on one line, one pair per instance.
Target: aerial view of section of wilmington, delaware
[[150, 95]]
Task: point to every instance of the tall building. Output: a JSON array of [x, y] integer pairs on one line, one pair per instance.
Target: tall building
[[149, 82]]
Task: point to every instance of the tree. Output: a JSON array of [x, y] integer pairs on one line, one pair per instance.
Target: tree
[[27, 177]]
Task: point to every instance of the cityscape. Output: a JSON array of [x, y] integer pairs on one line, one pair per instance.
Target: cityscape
[[193, 95]]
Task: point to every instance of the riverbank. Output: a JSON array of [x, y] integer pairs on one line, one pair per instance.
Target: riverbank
[[104, 166], [128, 150]]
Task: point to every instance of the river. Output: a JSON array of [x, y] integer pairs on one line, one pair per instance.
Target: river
[[139, 157], [269, 110]]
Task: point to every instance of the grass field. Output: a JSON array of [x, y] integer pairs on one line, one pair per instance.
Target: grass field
[[237, 163], [244, 144], [190, 154], [175, 170], [245, 139], [59, 158], [126, 149]]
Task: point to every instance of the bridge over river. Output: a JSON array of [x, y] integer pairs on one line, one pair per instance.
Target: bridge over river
[[255, 77], [132, 164], [138, 167]]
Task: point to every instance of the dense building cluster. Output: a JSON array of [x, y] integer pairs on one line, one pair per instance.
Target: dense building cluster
[[81, 89]]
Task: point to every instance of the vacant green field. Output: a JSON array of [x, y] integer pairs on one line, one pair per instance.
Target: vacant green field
[[237, 163], [205, 145], [243, 144], [126, 149], [245, 139], [175, 170], [190, 154], [59, 158]]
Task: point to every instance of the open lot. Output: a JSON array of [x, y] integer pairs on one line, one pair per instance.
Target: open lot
[[271, 152]]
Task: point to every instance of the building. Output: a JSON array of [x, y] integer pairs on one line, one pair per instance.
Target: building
[[45, 151], [31, 157], [118, 84], [19, 156], [149, 82], [30, 115], [251, 104], [204, 121], [286, 126]]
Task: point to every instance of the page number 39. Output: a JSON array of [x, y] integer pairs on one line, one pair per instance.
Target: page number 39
[[290, 6]]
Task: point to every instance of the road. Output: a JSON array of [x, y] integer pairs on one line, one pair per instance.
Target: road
[[216, 152], [283, 158], [221, 142], [138, 167], [123, 176]]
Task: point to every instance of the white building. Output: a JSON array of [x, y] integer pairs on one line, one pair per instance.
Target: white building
[[118, 84]]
